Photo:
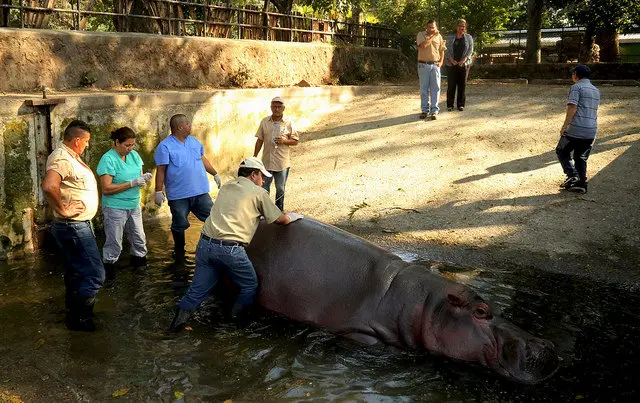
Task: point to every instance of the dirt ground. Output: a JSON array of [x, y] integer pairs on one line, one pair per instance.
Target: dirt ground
[[480, 187]]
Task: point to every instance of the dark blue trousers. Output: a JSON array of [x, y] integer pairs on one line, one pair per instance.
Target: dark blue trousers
[[84, 272]]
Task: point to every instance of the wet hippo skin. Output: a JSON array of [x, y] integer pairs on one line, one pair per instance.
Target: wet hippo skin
[[316, 273]]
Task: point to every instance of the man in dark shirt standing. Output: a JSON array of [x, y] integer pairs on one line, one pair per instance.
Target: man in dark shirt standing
[[458, 61]]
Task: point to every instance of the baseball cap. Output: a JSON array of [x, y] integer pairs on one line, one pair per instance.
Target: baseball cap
[[581, 71], [253, 162], [278, 99]]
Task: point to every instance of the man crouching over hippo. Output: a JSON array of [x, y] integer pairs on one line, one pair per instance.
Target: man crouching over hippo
[[233, 221]]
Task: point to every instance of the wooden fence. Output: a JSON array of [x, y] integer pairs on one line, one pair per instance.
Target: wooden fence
[[183, 18]]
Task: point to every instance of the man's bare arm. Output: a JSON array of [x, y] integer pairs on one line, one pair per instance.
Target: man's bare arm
[[257, 147], [160, 172], [282, 220], [571, 111], [208, 167], [51, 189]]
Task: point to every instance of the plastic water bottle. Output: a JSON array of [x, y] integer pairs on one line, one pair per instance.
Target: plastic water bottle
[[279, 130]]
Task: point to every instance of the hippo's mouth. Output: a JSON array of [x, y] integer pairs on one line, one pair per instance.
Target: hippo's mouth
[[527, 362]]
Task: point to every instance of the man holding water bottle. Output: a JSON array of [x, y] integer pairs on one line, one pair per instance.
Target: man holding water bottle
[[277, 135]]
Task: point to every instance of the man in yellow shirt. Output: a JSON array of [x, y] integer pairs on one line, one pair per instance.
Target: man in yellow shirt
[[431, 49], [72, 192], [233, 221]]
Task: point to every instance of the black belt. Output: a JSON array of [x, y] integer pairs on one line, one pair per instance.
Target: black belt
[[428, 62], [69, 221], [222, 241]]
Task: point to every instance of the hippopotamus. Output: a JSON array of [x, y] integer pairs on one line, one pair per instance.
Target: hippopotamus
[[319, 274]]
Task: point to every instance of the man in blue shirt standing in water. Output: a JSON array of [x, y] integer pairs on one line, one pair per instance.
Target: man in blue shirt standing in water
[[182, 170]]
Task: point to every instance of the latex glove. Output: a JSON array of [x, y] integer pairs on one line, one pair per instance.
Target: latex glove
[[158, 198], [137, 182], [216, 178], [147, 177], [294, 216]]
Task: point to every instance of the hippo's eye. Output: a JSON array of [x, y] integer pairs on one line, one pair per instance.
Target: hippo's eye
[[481, 311]]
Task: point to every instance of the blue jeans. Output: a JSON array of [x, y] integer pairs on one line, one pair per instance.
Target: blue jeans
[[84, 272], [581, 148], [199, 205], [429, 75], [281, 180], [233, 261]]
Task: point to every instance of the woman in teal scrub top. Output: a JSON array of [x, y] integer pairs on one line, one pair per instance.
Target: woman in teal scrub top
[[121, 176]]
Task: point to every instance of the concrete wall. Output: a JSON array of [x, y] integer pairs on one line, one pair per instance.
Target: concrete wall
[[225, 121], [30, 59]]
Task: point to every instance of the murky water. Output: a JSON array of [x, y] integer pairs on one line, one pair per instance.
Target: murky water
[[595, 327]]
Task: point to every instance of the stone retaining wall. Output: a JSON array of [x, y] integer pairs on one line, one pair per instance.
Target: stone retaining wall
[[552, 71], [31, 58]]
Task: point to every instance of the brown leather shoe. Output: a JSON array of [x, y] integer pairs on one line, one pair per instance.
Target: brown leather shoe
[[423, 115]]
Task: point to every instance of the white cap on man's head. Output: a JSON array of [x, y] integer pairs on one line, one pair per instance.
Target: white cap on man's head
[[253, 162], [278, 99]]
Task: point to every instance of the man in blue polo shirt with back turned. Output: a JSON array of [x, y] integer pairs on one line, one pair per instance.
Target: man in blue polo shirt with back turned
[[578, 132], [182, 170]]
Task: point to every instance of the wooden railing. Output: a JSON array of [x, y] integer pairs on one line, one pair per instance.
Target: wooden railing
[[183, 18]]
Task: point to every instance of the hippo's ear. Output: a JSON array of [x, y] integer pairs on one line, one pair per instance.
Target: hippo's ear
[[457, 299]]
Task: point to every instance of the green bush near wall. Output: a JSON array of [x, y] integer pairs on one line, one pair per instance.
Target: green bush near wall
[[630, 52], [600, 71]]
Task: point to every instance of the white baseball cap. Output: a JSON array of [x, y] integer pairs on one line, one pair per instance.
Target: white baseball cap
[[278, 99], [253, 162]]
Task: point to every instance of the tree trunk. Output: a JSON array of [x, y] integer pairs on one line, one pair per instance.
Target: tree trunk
[[587, 44], [354, 28], [534, 37], [4, 14], [139, 7], [607, 38], [283, 6]]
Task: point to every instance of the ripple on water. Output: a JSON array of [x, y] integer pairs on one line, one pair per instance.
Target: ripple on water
[[594, 326]]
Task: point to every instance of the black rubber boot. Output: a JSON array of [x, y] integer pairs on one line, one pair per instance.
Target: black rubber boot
[[80, 316], [109, 271], [239, 314], [179, 321], [178, 245], [71, 312], [138, 262]]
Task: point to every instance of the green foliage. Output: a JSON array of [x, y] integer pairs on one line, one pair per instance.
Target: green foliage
[[410, 16], [335, 8], [100, 22], [482, 17], [618, 14]]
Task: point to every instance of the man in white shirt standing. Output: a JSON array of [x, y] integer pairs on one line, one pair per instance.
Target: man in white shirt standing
[[277, 135]]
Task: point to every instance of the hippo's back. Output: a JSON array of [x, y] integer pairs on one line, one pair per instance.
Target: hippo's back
[[317, 273]]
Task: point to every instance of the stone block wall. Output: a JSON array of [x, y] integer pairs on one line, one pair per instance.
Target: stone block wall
[[30, 59]]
